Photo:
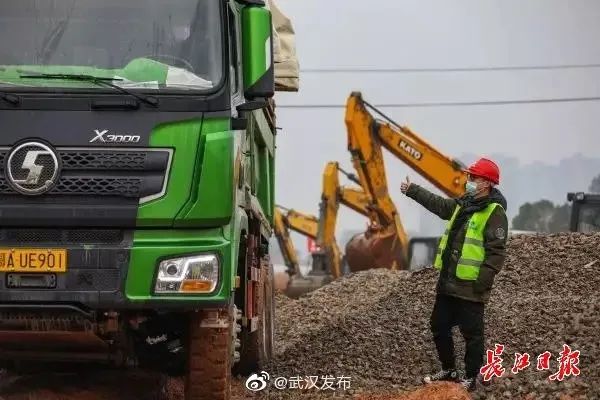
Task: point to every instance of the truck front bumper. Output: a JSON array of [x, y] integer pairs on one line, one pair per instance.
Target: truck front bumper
[[121, 276]]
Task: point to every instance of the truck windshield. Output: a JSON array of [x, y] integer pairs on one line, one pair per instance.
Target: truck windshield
[[143, 44]]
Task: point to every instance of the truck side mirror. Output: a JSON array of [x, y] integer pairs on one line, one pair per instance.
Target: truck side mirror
[[257, 51]]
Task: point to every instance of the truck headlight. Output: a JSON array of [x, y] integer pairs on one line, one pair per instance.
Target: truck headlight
[[196, 274]]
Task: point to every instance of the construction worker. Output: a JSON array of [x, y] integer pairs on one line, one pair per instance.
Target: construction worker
[[470, 254]]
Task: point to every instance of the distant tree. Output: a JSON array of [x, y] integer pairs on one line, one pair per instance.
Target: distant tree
[[543, 216], [534, 216], [595, 185]]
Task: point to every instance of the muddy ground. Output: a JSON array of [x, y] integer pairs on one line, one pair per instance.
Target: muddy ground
[[373, 328]]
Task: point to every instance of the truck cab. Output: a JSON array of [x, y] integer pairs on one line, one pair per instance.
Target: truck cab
[[585, 212], [137, 185]]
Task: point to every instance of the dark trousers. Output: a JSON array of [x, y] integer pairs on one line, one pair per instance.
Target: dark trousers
[[449, 311]]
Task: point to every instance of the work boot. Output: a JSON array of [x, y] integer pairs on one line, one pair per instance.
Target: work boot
[[443, 375]]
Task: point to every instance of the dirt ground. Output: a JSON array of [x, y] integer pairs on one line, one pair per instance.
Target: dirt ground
[[373, 326]]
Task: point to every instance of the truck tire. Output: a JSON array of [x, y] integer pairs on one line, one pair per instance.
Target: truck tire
[[257, 346], [210, 356]]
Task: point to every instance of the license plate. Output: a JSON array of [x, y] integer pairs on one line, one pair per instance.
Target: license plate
[[33, 260]]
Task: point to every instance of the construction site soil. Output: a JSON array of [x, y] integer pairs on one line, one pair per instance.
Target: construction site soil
[[371, 330]]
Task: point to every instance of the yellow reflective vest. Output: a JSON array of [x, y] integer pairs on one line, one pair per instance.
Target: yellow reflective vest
[[473, 253]]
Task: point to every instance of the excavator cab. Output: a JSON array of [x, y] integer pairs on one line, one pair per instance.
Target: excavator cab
[[585, 212]]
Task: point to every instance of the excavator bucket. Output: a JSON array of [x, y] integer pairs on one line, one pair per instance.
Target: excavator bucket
[[379, 249], [299, 285]]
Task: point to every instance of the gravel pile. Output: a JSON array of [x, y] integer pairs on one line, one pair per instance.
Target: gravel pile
[[373, 326]]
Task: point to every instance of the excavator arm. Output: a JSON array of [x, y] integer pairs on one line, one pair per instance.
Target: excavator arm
[[329, 258], [286, 244], [367, 158], [305, 224], [366, 138], [356, 199]]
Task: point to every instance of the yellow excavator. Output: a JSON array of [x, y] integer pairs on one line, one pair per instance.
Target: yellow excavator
[[285, 220], [282, 233], [385, 243], [327, 260]]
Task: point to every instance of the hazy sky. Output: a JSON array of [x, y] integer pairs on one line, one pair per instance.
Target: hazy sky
[[439, 34]]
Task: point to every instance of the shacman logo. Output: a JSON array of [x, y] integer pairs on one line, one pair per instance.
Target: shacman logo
[[257, 382], [101, 136], [38, 171]]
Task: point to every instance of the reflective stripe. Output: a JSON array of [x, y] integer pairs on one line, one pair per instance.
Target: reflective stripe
[[467, 261], [474, 241], [472, 252]]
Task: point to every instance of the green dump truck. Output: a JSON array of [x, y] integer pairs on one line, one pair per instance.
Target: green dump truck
[[137, 184]]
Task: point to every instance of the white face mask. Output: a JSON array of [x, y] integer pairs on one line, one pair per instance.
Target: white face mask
[[471, 187]]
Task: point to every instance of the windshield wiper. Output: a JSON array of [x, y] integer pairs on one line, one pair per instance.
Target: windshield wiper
[[10, 98], [97, 80]]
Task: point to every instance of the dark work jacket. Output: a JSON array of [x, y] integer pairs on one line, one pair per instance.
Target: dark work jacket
[[495, 234]]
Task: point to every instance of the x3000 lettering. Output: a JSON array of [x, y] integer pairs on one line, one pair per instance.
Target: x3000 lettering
[[101, 136]]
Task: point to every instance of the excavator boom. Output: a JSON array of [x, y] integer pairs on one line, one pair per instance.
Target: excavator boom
[[367, 159], [447, 174], [367, 137]]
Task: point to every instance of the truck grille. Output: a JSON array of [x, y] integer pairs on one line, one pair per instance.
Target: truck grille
[[125, 187], [98, 160], [109, 172], [60, 236]]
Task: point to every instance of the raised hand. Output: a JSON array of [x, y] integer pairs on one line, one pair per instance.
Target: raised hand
[[405, 185]]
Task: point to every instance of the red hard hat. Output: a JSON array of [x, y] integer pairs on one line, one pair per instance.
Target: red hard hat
[[485, 168]]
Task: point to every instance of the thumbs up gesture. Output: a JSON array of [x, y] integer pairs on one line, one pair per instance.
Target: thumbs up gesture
[[405, 185]]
